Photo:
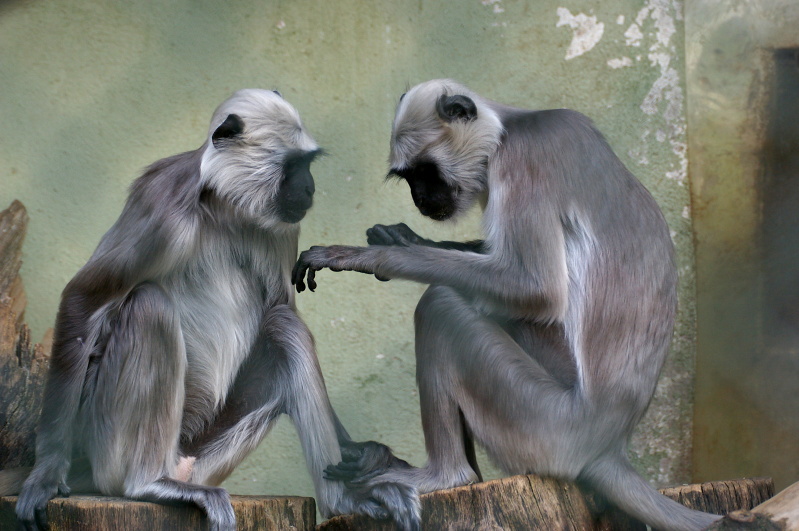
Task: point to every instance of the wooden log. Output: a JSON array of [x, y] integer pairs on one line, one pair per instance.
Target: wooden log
[[13, 223], [533, 502], [722, 497], [778, 513], [89, 513], [23, 365]]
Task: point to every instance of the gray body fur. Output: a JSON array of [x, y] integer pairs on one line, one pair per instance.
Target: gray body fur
[[543, 342], [180, 339]]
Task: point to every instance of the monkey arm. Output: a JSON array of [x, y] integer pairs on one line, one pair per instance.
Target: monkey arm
[[54, 438], [538, 292], [401, 234]]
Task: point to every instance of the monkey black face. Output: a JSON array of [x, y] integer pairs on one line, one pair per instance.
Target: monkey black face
[[295, 195], [432, 195]]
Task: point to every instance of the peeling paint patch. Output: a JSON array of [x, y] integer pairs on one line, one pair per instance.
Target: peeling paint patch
[[665, 97], [686, 212], [587, 31], [679, 149], [497, 7], [620, 62], [280, 24], [633, 35]]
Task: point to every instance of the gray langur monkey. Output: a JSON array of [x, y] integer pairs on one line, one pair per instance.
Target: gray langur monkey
[[178, 344], [544, 341]]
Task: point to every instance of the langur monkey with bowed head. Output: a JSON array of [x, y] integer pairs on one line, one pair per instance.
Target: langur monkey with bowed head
[[543, 342], [178, 343]]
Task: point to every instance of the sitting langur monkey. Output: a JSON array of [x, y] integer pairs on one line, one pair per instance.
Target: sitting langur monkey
[[179, 342], [544, 341]]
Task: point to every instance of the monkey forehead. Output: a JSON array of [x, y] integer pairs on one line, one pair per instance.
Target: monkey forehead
[[419, 102], [417, 128], [265, 114], [415, 121]]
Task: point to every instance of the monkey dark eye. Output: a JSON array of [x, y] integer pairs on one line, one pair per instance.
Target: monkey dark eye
[[420, 171]]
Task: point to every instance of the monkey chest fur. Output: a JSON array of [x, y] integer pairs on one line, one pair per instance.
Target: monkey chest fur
[[222, 298]]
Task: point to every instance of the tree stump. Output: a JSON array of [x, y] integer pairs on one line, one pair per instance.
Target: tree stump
[[533, 502], [778, 513], [90, 513], [23, 365]]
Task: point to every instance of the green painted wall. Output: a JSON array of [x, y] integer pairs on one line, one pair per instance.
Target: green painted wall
[[91, 92]]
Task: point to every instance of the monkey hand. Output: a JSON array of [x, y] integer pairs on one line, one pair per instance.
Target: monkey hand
[[32, 504], [367, 470], [399, 234], [335, 258], [361, 461]]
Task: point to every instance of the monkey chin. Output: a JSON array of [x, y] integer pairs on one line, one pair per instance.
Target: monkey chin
[[292, 215], [441, 216], [442, 213], [284, 221]]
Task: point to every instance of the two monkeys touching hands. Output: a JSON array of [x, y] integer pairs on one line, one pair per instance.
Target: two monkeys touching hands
[[178, 344]]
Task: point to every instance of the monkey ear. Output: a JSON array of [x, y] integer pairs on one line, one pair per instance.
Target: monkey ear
[[457, 107], [231, 127]]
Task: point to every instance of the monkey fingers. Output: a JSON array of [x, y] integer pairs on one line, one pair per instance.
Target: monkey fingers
[[301, 268], [398, 234], [398, 497], [350, 474], [334, 257], [34, 499], [311, 279], [363, 461]]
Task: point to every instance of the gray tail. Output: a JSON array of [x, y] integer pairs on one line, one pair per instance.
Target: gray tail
[[617, 480], [11, 480]]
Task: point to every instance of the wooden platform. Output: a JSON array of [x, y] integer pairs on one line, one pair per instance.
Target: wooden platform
[[93, 513], [532, 502]]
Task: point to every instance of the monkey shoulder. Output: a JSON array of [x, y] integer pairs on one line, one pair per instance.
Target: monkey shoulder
[[542, 121]]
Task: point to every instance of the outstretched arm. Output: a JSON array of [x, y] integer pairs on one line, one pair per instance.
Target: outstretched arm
[[536, 290], [401, 234]]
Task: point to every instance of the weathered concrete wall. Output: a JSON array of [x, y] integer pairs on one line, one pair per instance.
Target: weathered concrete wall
[[747, 416], [94, 91]]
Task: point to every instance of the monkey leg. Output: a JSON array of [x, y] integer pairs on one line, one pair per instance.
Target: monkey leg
[[475, 379], [282, 375], [471, 369], [134, 412]]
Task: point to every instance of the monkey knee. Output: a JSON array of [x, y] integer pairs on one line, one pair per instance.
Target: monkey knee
[[440, 308], [282, 321], [435, 300], [283, 332], [147, 304]]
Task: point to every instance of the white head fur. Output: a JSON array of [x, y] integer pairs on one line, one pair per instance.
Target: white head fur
[[246, 172], [460, 148]]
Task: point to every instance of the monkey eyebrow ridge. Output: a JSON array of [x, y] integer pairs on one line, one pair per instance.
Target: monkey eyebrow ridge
[[295, 156]]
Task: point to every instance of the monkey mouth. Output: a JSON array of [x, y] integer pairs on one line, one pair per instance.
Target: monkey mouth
[[293, 214], [442, 213]]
